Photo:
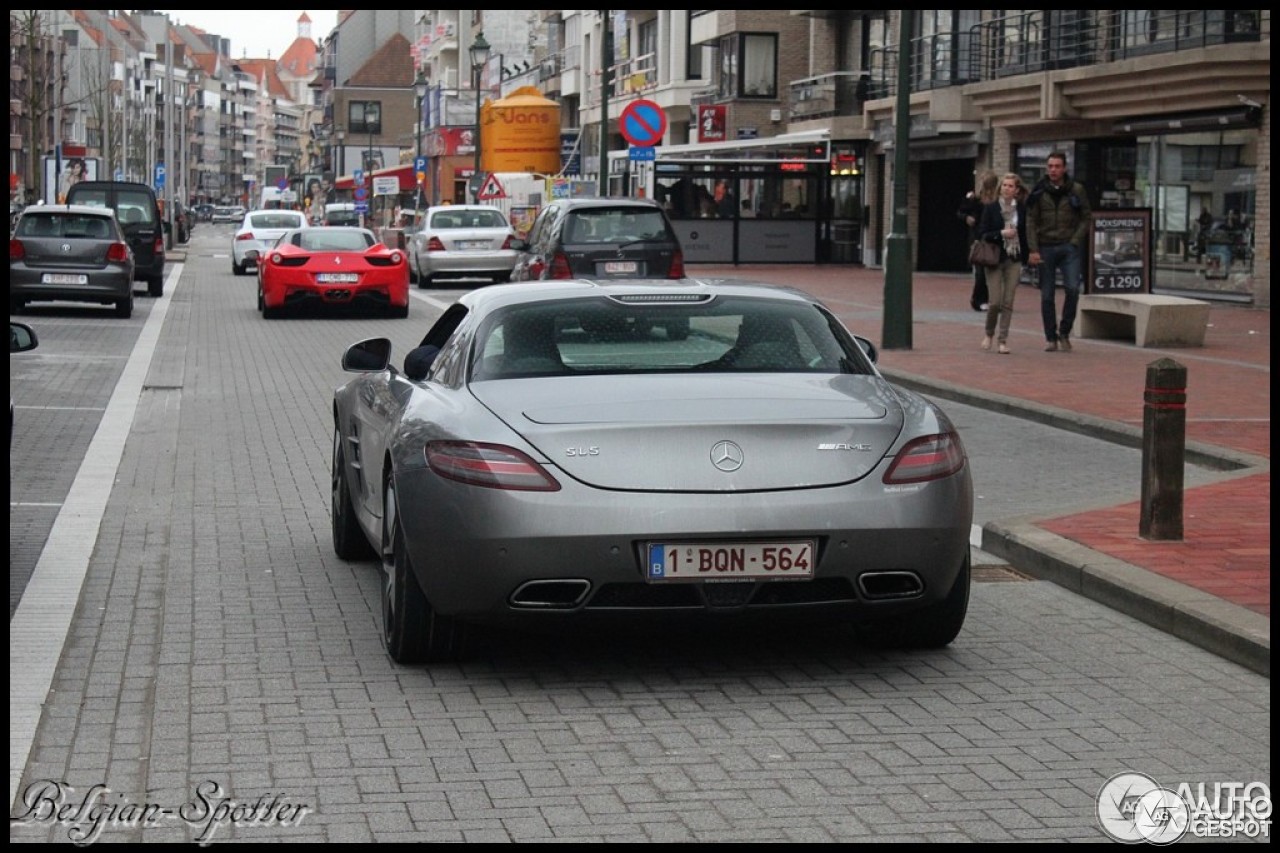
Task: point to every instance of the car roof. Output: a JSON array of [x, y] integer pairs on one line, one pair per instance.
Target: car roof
[[649, 290], [570, 203], [438, 207], [78, 209]]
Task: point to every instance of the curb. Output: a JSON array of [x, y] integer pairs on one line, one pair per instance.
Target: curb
[[1228, 630], [1225, 629]]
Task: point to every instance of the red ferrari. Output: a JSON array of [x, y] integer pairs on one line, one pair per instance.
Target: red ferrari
[[332, 266]]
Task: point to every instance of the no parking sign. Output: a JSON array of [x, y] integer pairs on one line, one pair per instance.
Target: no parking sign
[[643, 123]]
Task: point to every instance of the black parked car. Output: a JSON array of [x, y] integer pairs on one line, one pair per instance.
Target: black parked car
[[138, 212], [600, 238]]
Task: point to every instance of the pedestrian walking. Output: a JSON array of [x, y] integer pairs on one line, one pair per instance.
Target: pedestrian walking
[[1057, 226], [970, 212], [1004, 222]]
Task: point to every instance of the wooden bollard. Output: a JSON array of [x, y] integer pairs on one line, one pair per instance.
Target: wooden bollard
[[1164, 439]]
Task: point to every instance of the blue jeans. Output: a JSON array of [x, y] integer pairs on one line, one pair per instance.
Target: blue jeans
[[1053, 256]]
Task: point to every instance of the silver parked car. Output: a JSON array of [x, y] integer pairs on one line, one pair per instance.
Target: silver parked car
[[461, 241], [552, 451], [259, 232], [70, 252]]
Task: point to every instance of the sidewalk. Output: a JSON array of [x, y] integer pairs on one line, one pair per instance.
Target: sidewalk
[[1212, 588]]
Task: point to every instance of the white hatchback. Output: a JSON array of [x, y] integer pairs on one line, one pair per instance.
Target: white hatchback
[[259, 232]]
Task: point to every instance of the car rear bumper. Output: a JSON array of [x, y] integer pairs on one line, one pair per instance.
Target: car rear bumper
[[103, 285], [467, 263], [484, 554]]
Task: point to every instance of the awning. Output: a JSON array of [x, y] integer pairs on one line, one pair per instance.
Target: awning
[[408, 181]]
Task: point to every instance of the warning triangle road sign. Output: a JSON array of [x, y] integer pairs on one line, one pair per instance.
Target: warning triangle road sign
[[491, 189]]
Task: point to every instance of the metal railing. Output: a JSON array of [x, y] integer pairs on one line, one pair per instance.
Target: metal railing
[[1036, 41]]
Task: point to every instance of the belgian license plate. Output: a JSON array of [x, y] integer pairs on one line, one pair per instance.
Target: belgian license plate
[[620, 267], [63, 278], [718, 561], [337, 278], [473, 244]]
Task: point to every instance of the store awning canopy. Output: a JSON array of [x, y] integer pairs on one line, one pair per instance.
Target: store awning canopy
[[408, 181]]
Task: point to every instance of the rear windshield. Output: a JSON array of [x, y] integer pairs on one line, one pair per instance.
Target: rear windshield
[[276, 219], [70, 225], [615, 225], [342, 217], [468, 219], [724, 335], [325, 240], [133, 207]]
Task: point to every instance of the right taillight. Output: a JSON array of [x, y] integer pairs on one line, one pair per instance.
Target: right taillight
[[17, 251], [117, 253], [930, 457], [677, 265], [559, 266], [493, 466]]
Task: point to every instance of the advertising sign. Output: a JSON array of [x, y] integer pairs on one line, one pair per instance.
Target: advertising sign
[[1120, 251], [711, 122], [386, 185], [520, 133], [74, 170]]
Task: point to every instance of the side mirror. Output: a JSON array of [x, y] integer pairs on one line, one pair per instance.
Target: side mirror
[[868, 348], [22, 337], [367, 356], [417, 364]]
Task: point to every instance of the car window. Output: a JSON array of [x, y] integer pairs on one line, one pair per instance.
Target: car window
[[323, 240], [614, 225], [603, 335], [144, 209], [276, 219]]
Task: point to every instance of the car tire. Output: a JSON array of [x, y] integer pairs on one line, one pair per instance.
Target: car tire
[[16, 305], [237, 269], [124, 307], [398, 312], [502, 278], [155, 285], [269, 313], [932, 627], [261, 302], [412, 631], [349, 541], [424, 281]]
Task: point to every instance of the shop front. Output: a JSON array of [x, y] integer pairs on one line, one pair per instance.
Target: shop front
[[789, 199]]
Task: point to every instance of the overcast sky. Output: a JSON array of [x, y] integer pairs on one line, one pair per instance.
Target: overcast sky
[[256, 33]]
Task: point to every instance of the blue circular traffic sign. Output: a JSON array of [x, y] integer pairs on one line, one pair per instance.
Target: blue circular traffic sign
[[642, 123]]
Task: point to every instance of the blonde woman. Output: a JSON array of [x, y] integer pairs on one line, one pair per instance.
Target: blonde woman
[[985, 189], [1004, 222]]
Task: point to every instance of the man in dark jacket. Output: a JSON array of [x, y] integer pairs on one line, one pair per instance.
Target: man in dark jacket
[[1057, 228]]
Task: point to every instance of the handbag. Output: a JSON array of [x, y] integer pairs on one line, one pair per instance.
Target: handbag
[[984, 254]]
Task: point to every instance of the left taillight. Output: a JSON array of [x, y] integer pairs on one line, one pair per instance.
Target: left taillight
[[118, 253], [493, 466], [17, 251], [247, 235], [930, 457]]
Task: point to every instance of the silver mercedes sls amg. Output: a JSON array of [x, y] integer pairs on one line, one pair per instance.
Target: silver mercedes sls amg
[[646, 447]]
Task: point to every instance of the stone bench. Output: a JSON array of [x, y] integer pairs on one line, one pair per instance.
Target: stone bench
[[1149, 320]]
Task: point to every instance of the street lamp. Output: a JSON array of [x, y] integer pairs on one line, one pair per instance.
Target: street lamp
[[419, 89], [370, 115], [342, 152], [479, 56]]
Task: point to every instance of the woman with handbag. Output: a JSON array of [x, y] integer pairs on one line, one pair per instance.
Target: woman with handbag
[[970, 211], [1004, 226]]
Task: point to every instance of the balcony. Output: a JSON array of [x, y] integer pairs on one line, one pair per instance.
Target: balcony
[[828, 95]]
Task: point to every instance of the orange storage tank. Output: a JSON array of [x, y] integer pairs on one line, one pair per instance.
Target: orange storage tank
[[520, 133]]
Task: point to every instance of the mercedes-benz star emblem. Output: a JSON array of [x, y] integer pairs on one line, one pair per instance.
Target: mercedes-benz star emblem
[[726, 456]]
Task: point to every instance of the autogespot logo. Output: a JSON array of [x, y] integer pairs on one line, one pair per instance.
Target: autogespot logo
[[1131, 807]]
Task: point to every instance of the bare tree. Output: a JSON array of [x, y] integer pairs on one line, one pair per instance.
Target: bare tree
[[35, 64]]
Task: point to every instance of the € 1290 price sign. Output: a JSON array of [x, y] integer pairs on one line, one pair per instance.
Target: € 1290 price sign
[[1121, 256]]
